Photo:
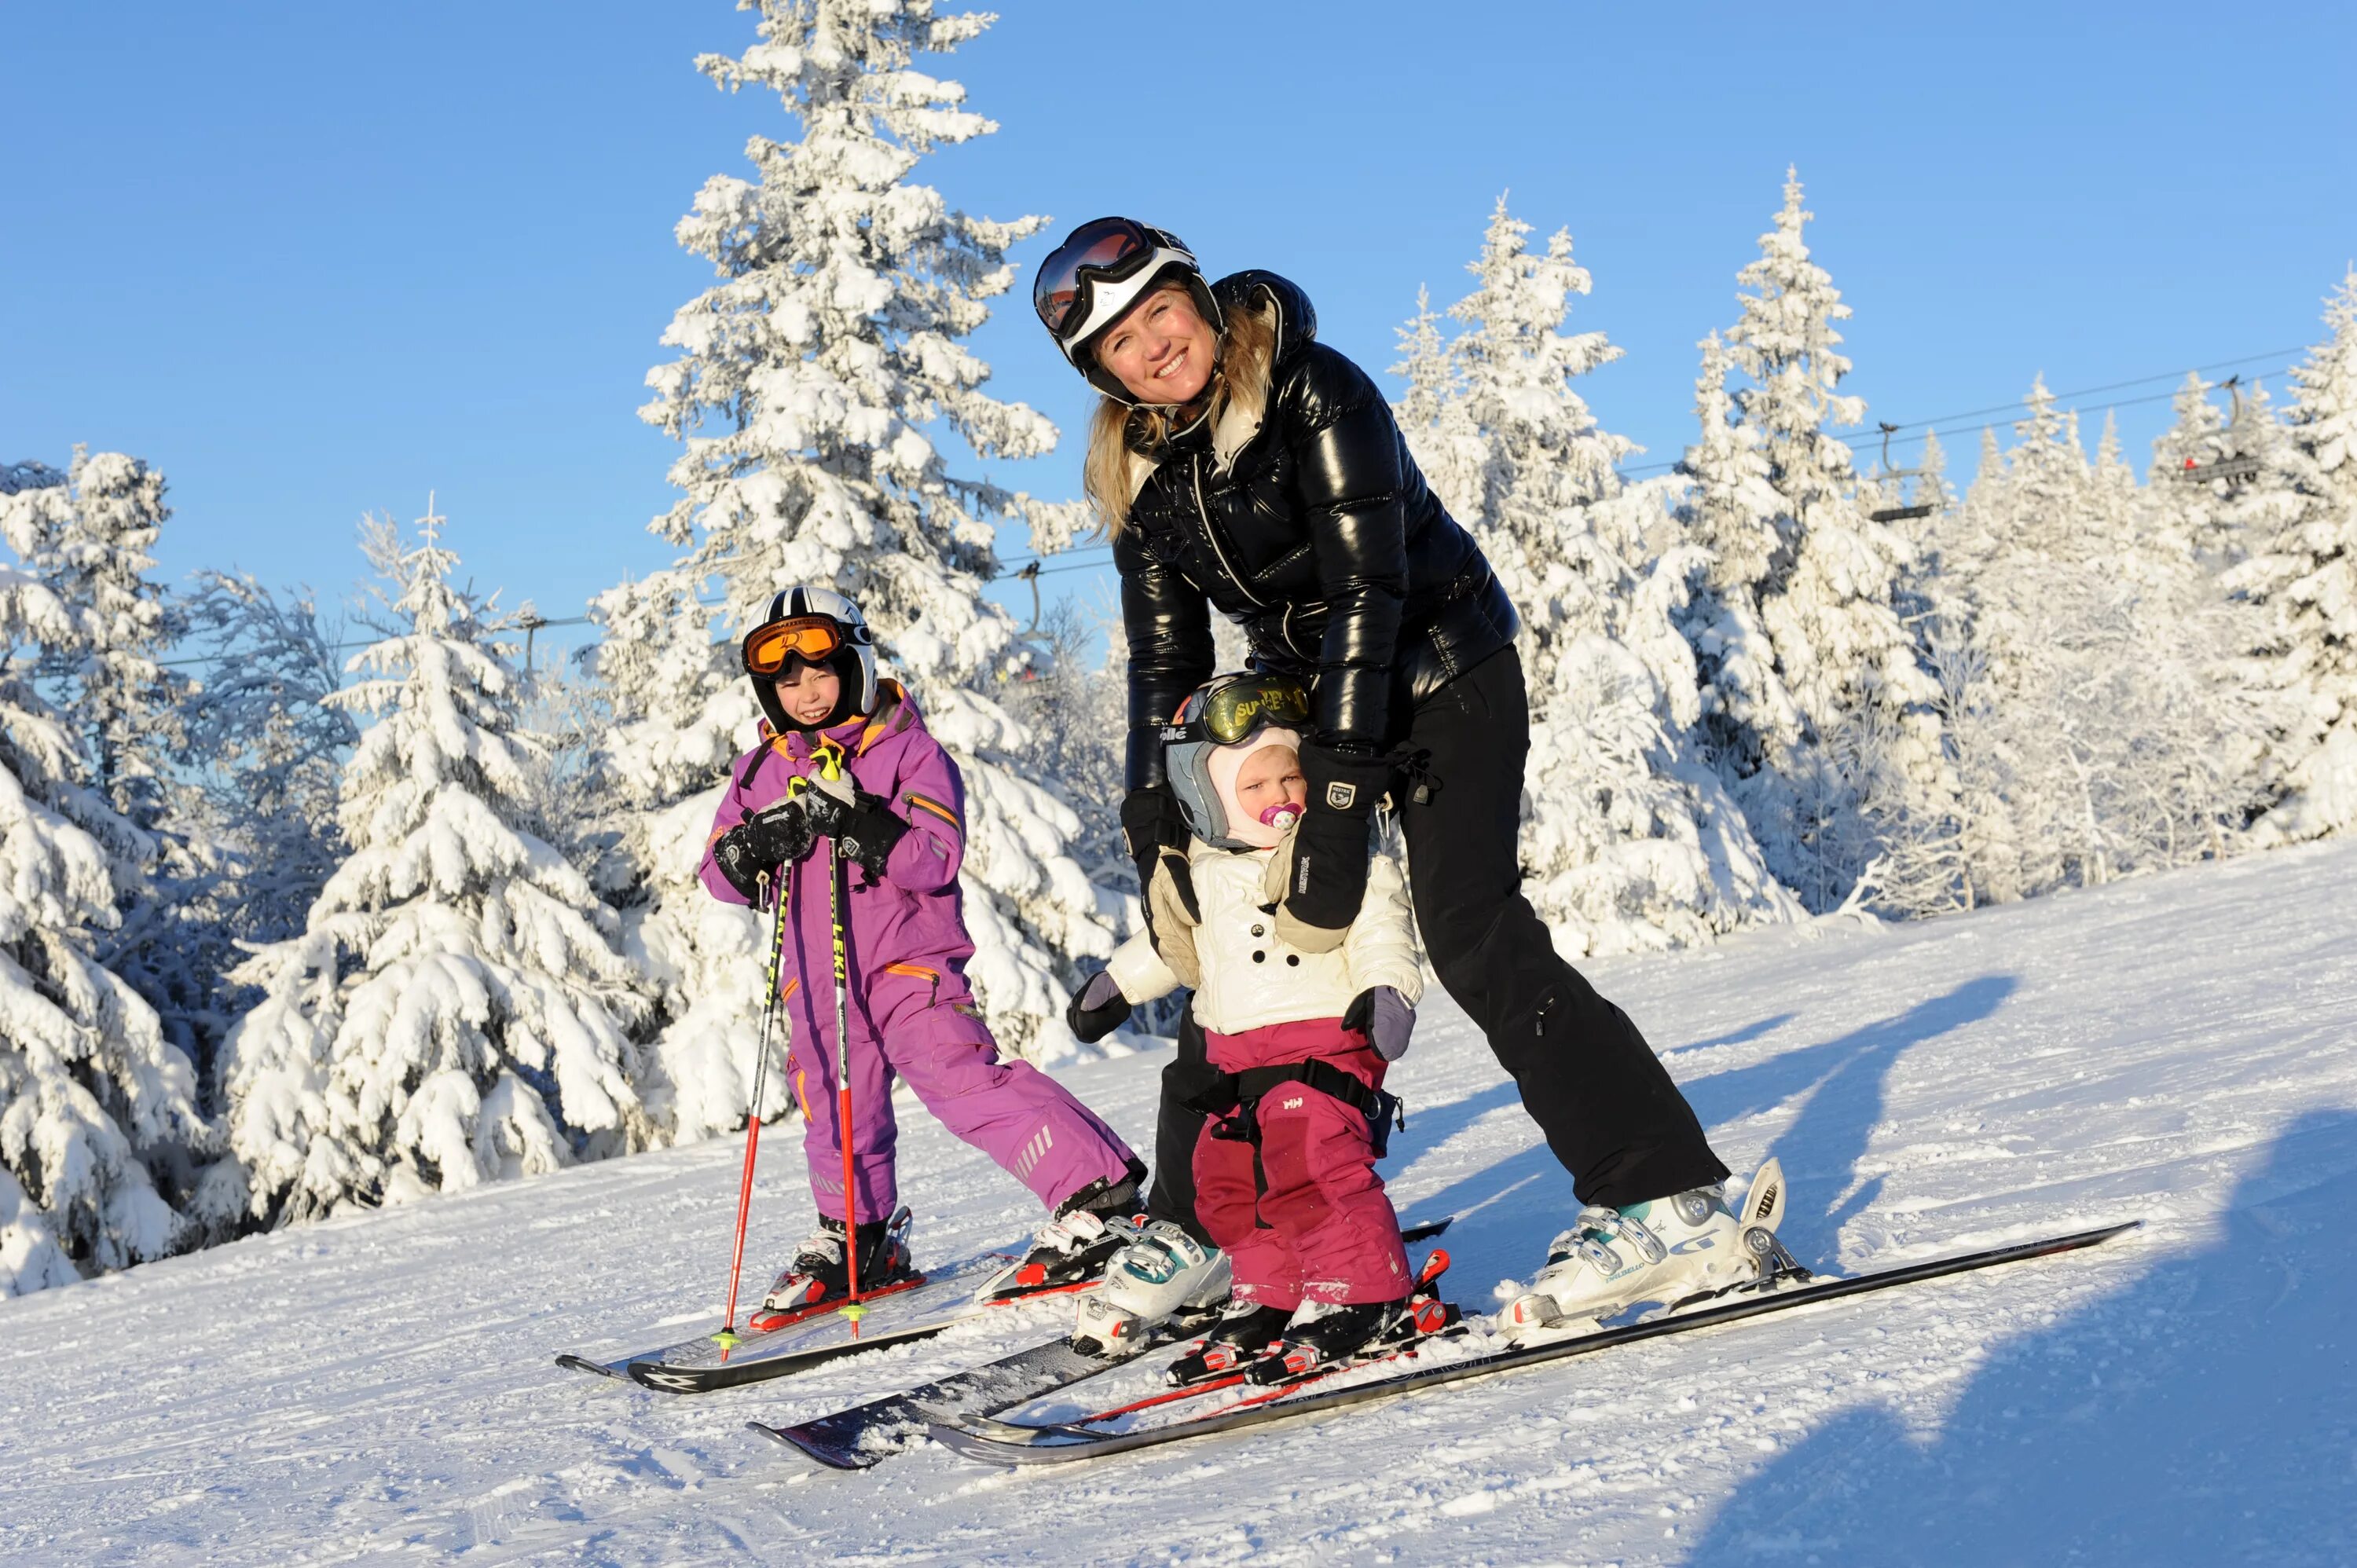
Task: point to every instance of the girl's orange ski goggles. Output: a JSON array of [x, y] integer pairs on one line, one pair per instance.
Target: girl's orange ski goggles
[[811, 638]]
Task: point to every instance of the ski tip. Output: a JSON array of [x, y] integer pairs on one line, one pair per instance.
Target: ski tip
[[573, 1363], [1425, 1230], [835, 1457]]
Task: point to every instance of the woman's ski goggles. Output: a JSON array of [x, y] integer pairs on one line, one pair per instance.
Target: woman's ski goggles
[[1101, 251], [1230, 711], [811, 638]]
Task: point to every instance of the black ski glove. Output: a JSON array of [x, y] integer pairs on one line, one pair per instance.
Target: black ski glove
[[1326, 881], [768, 841], [1152, 824], [864, 825], [1382, 1015], [1097, 1009]]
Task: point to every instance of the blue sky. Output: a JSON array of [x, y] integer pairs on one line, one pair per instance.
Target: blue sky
[[314, 261]]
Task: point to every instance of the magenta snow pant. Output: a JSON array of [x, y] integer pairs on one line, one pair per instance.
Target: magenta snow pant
[[1301, 1214], [928, 1031]]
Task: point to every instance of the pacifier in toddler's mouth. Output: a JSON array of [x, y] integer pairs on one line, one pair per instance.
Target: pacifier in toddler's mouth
[[1281, 816]]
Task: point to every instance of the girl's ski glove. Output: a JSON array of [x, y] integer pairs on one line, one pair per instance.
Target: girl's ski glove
[[1383, 1016], [864, 824], [1097, 1009], [766, 841]]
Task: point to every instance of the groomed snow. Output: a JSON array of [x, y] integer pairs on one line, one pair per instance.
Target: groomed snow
[[2181, 1048]]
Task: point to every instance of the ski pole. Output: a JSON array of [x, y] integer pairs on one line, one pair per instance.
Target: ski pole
[[833, 757], [727, 1335]]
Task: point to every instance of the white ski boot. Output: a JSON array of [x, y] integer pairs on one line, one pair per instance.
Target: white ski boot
[[1164, 1274], [1666, 1252]]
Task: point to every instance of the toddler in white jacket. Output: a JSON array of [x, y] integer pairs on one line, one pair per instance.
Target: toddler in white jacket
[[1285, 1178]]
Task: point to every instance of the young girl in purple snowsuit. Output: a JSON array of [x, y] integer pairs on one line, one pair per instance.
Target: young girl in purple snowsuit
[[896, 810]]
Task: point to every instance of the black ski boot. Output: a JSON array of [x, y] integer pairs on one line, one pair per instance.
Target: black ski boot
[[820, 1275], [1323, 1336], [1072, 1248], [1244, 1333]]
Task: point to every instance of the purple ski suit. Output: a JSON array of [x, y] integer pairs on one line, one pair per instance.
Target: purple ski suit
[[912, 1015]]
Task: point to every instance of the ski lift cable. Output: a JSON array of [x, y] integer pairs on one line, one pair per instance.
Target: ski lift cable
[[1921, 427], [1948, 425]]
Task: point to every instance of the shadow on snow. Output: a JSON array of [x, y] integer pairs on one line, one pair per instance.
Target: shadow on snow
[[2206, 1414]]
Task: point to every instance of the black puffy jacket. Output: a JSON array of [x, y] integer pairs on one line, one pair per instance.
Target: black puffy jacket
[[1319, 537]]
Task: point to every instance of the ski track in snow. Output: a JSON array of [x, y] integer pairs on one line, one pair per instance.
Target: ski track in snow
[[2179, 1048]]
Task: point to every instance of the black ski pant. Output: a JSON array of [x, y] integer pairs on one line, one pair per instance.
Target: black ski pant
[[1608, 1108]]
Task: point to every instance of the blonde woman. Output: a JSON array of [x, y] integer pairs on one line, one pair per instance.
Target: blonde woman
[[1241, 465]]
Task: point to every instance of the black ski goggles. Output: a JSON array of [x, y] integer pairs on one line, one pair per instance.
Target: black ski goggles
[[1230, 711], [1103, 250]]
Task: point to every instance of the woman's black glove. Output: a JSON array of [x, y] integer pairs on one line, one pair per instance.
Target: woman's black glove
[[765, 841], [1097, 1009], [1157, 832], [864, 825], [1326, 881]]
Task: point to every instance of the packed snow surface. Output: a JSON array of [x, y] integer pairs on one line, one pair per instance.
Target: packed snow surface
[[2180, 1048]]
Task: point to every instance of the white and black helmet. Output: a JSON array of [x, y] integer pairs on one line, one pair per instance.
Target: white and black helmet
[[817, 626], [1103, 268]]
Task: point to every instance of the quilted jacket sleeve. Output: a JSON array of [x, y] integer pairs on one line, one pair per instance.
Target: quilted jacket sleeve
[[1351, 466], [1381, 945], [1169, 623]]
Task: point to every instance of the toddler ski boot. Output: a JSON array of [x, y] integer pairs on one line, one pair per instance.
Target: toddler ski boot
[[1246, 1332], [1072, 1250], [1164, 1275], [1325, 1334], [1666, 1252], [818, 1279]]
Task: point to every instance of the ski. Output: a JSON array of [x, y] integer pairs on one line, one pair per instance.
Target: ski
[[866, 1434], [896, 1317], [1014, 1443]]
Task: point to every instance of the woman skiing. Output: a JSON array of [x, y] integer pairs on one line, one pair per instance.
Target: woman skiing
[[1284, 1169], [1241, 465], [845, 756]]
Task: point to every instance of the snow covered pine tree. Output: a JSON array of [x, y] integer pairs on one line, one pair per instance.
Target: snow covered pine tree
[[807, 379], [1822, 591], [102, 1139], [2300, 577], [1630, 843], [456, 1011]]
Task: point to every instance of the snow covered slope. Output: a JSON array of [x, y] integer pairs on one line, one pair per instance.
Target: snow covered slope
[[2181, 1048]]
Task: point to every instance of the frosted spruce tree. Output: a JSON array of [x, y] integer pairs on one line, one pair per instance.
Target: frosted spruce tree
[[2299, 585], [102, 1143], [455, 1011], [1629, 842], [1824, 593], [817, 383]]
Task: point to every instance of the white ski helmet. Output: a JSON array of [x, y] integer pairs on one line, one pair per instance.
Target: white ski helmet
[[817, 626], [1224, 711], [1103, 268]]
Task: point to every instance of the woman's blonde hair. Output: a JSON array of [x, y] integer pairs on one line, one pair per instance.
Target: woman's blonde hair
[[1120, 431]]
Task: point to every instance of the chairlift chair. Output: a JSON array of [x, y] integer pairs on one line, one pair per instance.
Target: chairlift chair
[[2233, 468], [1891, 476]]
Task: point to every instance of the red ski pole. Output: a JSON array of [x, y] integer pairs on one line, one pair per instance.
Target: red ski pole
[[727, 1335]]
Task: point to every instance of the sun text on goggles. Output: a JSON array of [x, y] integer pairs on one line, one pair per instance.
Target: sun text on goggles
[[1076, 291], [811, 638], [1231, 713]]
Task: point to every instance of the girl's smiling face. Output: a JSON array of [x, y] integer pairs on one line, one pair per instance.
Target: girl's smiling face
[[809, 692]]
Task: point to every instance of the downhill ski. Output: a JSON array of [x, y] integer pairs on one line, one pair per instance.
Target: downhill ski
[[998, 1442]]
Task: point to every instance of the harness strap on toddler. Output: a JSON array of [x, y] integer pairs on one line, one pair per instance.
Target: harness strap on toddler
[[1232, 1092]]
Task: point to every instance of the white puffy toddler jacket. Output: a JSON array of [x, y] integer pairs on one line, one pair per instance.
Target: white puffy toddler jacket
[[1250, 978]]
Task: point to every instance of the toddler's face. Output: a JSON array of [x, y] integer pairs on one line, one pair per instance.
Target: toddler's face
[[1270, 777], [807, 693]]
